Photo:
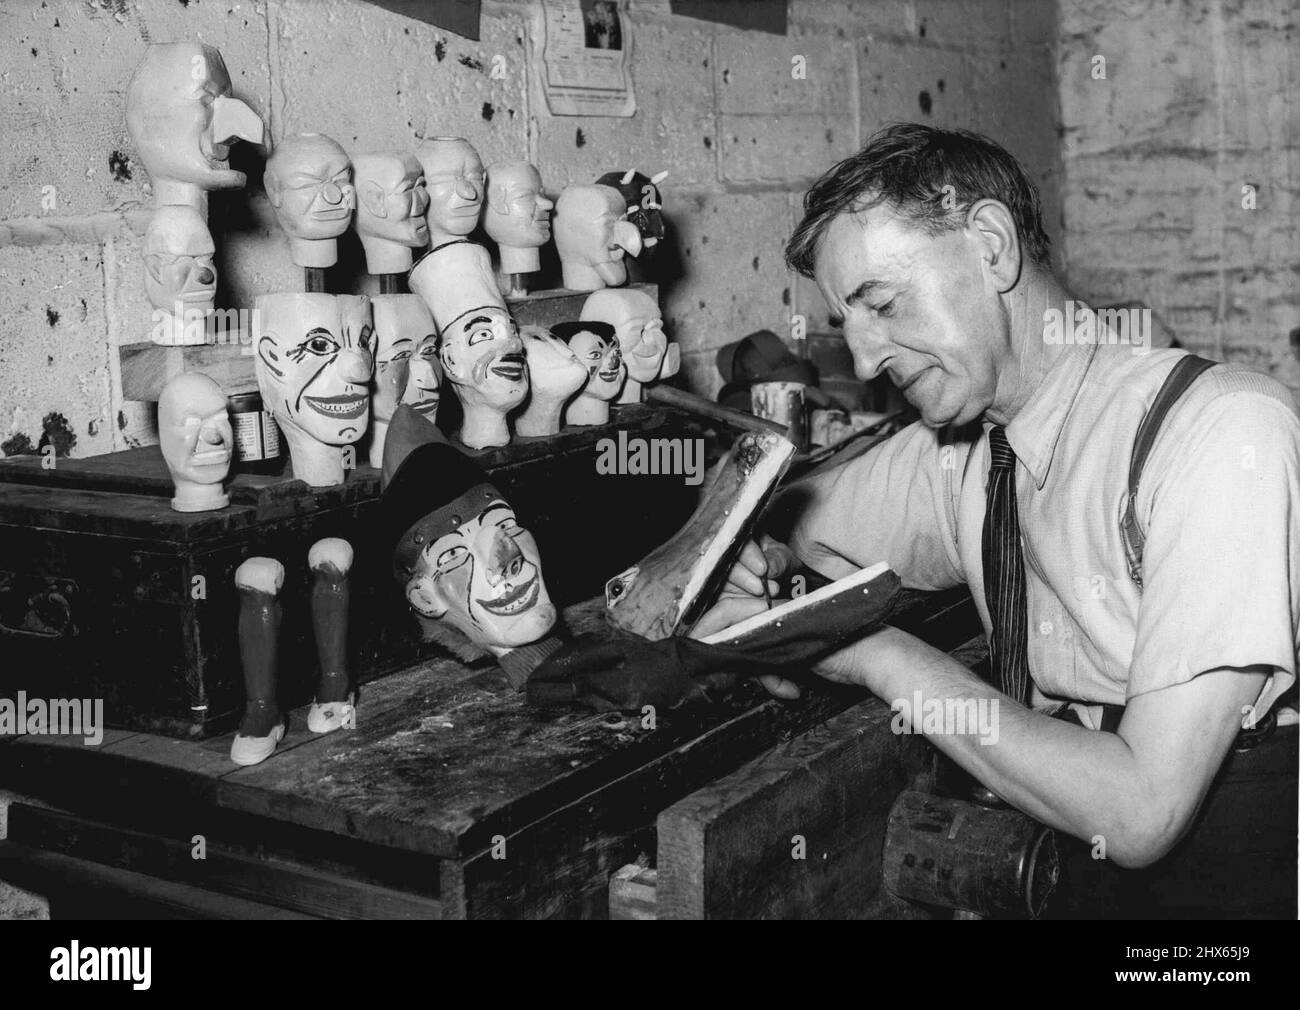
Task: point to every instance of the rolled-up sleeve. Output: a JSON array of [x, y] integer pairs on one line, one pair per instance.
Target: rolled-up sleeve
[[895, 503], [1221, 566]]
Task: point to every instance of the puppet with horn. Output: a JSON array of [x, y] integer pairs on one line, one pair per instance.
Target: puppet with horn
[[644, 205]]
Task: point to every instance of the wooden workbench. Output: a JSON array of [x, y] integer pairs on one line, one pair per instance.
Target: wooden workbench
[[451, 798]]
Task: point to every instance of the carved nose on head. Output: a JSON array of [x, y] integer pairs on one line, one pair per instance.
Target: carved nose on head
[[505, 559], [466, 189], [211, 435], [205, 275], [233, 120], [355, 366], [627, 237], [332, 193]]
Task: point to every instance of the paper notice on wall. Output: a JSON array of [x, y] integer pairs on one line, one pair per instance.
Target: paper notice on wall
[[586, 55]]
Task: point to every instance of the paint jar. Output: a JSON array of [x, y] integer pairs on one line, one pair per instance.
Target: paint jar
[[257, 437], [783, 403]]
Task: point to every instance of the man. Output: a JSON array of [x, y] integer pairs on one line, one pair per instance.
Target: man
[[928, 246]]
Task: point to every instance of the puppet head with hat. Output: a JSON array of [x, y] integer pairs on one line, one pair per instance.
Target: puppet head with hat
[[479, 345], [459, 554]]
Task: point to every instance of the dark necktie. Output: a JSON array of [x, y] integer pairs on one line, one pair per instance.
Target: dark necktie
[[1004, 573]]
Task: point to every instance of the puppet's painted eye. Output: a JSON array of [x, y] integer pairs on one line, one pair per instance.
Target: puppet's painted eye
[[451, 558], [321, 344]]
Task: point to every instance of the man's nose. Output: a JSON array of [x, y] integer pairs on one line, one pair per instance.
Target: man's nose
[[332, 193], [420, 202], [869, 353], [505, 560], [355, 366], [465, 189], [211, 435], [204, 275], [544, 204]]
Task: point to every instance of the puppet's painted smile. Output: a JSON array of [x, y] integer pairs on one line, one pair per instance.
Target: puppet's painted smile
[[510, 367], [518, 599], [341, 407]]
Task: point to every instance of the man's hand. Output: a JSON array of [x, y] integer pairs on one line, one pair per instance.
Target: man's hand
[[755, 564], [743, 597]]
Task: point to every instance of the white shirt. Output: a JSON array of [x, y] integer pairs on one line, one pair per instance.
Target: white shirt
[[1218, 499]]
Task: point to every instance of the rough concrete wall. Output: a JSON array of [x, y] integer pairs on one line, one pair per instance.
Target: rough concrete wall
[[718, 106], [1196, 113]]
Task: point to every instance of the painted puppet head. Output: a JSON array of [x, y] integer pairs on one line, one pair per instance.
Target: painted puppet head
[[461, 555], [314, 363], [480, 350], [596, 347]]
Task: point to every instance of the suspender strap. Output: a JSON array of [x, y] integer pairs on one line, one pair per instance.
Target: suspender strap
[[1176, 383]]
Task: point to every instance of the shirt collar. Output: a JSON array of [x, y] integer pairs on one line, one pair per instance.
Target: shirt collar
[[1035, 430]]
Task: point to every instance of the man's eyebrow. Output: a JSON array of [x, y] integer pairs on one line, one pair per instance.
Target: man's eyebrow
[[479, 319], [856, 297]]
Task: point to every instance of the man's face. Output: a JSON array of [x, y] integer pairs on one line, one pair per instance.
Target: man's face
[[401, 322], [604, 361], [483, 356], [483, 575], [183, 119], [309, 182], [314, 363], [195, 438], [917, 307], [392, 199], [424, 386], [519, 214], [454, 177], [179, 271]]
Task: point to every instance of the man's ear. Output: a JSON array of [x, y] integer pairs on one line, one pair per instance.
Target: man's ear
[[371, 195], [995, 228], [423, 598]]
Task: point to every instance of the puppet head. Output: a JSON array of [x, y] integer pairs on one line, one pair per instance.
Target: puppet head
[[196, 440], [182, 120], [391, 203], [460, 554], [592, 235]]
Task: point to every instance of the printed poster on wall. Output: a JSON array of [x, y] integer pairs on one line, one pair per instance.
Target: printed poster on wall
[[586, 58]]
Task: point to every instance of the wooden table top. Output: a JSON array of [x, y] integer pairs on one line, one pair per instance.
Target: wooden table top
[[445, 757]]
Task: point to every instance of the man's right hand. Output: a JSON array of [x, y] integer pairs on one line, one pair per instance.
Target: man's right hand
[[756, 564]]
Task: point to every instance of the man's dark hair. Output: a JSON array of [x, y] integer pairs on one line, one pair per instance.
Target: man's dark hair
[[906, 166]]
